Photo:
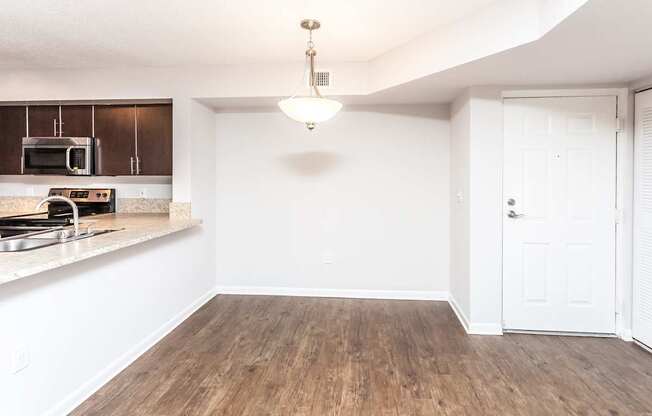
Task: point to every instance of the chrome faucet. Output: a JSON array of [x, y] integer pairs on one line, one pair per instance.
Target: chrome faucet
[[75, 211]]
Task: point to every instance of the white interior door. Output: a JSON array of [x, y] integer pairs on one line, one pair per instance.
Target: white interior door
[[559, 241], [642, 308]]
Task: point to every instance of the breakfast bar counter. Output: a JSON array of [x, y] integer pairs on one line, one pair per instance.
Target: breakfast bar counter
[[131, 229]]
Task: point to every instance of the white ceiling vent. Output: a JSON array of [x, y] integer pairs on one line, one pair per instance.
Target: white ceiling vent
[[323, 79]]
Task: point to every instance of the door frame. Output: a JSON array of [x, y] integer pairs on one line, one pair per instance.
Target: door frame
[[624, 194]]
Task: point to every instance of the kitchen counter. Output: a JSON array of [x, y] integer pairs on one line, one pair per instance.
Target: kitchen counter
[[134, 229]]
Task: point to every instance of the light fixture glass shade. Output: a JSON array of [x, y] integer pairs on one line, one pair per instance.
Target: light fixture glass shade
[[309, 110]]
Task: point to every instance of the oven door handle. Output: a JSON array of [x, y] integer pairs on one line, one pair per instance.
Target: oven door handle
[[70, 169]]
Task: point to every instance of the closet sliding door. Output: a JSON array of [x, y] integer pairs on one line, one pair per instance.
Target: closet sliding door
[[642, 311]]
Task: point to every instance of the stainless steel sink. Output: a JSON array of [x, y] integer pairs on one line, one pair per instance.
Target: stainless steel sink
[[22, 244], [45, 238]]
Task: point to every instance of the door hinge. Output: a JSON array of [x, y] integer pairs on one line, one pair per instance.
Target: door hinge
[[620, 124], [620, 216]]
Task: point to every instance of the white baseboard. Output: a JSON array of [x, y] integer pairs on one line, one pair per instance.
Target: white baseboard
[[626, 335], [473, 328], [459, 313], [334, 293], [640, 344], [485, 329], [470, 328], [77, 397]]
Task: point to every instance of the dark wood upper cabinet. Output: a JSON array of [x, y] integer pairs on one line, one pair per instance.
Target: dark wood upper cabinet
[[154, 139], [73, 121], [13, 127], [43, 120], [131, 139], [76, 120], [115, 131]]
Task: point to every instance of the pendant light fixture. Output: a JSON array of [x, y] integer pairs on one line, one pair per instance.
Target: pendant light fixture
[[314, 108]]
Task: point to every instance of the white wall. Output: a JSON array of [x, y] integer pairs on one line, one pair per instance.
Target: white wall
[[82, 322], [486, 165], [476, 230], [202, 186], [476, 220], [476, 227], [367, 192], [459, 204]]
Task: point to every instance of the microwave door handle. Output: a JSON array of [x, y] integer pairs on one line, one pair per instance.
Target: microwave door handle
[[70, 169]]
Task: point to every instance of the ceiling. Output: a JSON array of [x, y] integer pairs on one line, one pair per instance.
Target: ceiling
[[601, 44], [102, 34]]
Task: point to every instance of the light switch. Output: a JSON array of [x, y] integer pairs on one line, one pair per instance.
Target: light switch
[[19, 360]]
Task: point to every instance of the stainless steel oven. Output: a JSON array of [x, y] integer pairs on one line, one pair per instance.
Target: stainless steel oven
[[58, 156]]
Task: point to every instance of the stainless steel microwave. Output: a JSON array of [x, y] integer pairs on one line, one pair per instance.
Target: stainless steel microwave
[[58, 156]]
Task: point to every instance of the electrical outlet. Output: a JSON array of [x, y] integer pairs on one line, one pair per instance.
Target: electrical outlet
[[19, 360]]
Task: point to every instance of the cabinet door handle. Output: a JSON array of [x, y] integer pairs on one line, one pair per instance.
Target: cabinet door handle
[[55, 126], [70, 169], [132, 165], [137, 165]]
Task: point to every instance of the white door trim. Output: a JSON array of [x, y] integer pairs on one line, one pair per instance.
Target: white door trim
[[624, 192]]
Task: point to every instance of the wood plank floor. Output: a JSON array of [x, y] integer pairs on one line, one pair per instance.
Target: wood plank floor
[[258, 355]]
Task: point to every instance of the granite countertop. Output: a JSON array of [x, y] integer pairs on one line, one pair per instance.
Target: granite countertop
[[134, 229]]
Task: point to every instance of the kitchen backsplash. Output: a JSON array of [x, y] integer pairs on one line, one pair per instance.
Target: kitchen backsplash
[[15, 204], [143, 205]]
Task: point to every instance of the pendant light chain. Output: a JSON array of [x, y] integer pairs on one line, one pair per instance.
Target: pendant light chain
[[310, 42]]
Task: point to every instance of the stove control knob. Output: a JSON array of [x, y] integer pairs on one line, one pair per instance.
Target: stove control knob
[[104, 195], [98, 194]]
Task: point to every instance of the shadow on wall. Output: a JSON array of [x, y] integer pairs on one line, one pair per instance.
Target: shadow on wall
[[310, 163]]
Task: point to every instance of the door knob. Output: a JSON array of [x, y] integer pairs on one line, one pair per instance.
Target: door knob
[[513, 214]]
